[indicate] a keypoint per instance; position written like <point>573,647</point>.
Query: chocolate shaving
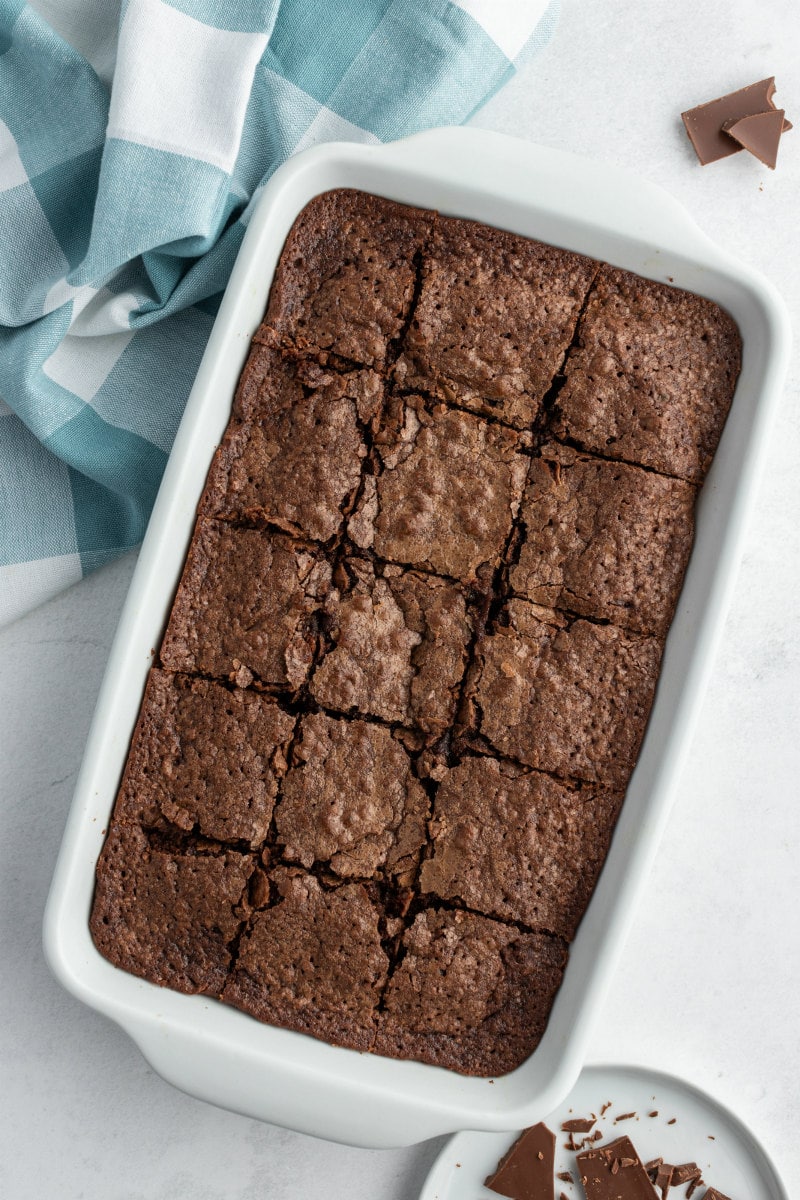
<point>624,1117</point>
<point>578,1125</point>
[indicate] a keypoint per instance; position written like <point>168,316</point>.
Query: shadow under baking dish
<point>217,1053</point>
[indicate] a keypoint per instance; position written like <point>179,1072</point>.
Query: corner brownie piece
<point>518,845</point>
<point>295,457</point>
<point>346,277</point>
<point>448,492</point>
<point>204,759</point>
<point>604,540</point>
<point>652,377</point>
<point>493,321</point>
<point>351,802</point>
<point>246,607</point>
<point>169,914</point>
<point>398,646</point>
<point>469,994</point>
<point>571,698</point>
<point>313,961</point>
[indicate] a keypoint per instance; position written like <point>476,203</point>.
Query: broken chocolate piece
<point>704,124</point>
<point>565,1176</point>
<point>760,134</point>
<point>614,1172</point>
<point>713,1194</point>
<point>526,1171</point>
<point>624,1117</point>
<point>684,1172</point>
<point>663,1179</point>
<point>578,1125</point>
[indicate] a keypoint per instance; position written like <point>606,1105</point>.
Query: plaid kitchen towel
<point>133,144</point>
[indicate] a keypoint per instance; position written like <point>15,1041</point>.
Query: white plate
<point>218,1053</point>
<point>730,1157</point>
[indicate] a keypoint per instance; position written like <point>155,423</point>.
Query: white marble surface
<point>710,982</point>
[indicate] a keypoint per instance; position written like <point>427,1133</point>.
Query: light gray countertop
<point>709,984</point>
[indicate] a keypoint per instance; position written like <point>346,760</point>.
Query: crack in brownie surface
<point>652,377</point>
<point>246,607</point>
<point>350,799</point>
<point>604,539</point>
<point>346,278</point>
<point>495,315</point>
<point>295,457</point>
<point>516,844</point>
<point>205,758</point>
<point>570,698</point>
<point>448,492</point>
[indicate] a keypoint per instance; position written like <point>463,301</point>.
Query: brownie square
<point>295,458</point>
<point>170,915</point>
<point>449,489</point>
<point>313,961</point>
<point>518,845</point>
<point>346,277</point>
<point>604,540</point>
<point>469,994</point>
<point>652,377</point>
<point>565,696</point>
<point>494,318</point>
<point>398,646</point>
<point>351,802</point>
<point>246,607</point>
<point>205,759</point>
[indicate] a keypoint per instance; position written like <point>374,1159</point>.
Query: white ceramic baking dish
<point>218,1053</point>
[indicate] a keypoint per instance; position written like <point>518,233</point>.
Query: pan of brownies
<point>409,663</point>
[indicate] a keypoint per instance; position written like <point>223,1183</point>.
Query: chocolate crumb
<point>605,1108</point>
<point>684,1172</point>
<point>578,1125</point>
<point>563,1196</point>
<point>565,1176</point>
<point>654,1113</point>
<point>672,1122</point>
<point>711,1137</point>
<point>615,1166</point>
<point>624,1117</point>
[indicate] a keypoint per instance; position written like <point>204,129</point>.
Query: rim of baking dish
<point>218,1053</point>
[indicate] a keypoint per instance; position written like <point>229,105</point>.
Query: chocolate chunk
<point>704,124</point>
<point>760,134</point>
<point>614,1172</point>
<point>684,1172</point>
<point>526,1171</point>
<point>663,1179</point>
<point>713,1194</point>
<point>578,1125</point>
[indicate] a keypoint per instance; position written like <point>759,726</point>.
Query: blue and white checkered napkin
<point>131,151</point>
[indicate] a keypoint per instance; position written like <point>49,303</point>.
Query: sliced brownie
<point>652,377</point>
<point>494,319</point>
<point>469,993</point>
<point>313,961</point>
<point>345,281</point>
<point>351,802</point>
<point>572,698</point>
<point>295,458</point>
<point>398,646</point>
<point>169,914</point>
<point>246,607</point>
<point>205,759</point>
<point>448,492</point>
<point>516,844</point>
<point>604,540</point>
